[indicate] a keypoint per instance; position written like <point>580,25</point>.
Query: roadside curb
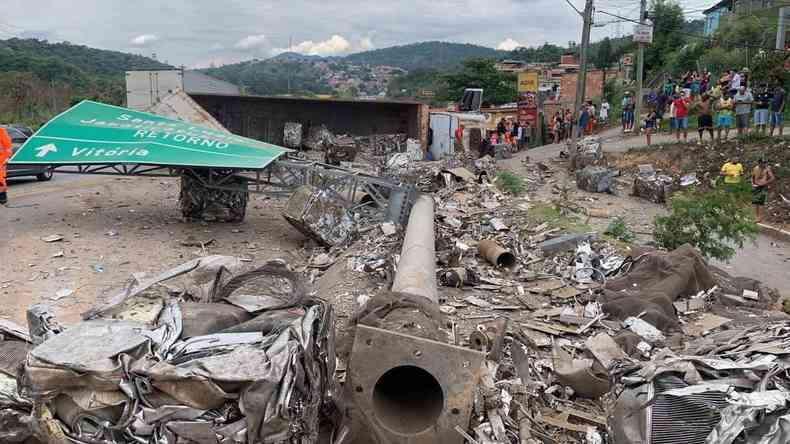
<point>774,232</point>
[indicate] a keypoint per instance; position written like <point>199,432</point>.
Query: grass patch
<point>510,183</point>
<point>549,213</point>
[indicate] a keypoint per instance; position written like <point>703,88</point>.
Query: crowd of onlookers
<point>720,105</point>
<point>561,124</point>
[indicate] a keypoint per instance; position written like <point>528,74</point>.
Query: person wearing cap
<point>762,178</point>
<point>5,154</point>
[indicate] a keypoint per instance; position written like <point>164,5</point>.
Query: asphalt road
<point>23,190</point>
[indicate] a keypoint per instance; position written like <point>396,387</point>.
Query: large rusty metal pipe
<point>416,273</point>
<point>495,254</point>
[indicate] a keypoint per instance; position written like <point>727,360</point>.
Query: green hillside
<point>265,77</point>
<point>75,65</point>
<point>39,79</point>
<point>425,55</point>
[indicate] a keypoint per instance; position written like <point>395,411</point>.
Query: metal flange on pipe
<point>406,388</point>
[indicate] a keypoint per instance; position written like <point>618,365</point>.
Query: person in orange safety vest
<point>5,154</point>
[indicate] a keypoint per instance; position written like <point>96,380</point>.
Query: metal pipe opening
<point>408,400</point>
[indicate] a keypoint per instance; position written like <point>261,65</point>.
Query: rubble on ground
<point>214,350</point>
<point>584,340</point>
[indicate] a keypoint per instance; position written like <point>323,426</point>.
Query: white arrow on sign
<point>46,149</point>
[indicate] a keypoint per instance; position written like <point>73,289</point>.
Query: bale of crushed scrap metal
<point>292,135</point>
<point>655,188</point>
<point>382,144</point>
<point>16,425</point>
<point>114,380</point>
<point>320,215</point>
<point>588,152</point>
<point>318,138</point>
<point>342,149</point>
<point>199,202</point>
<point>596,179</point>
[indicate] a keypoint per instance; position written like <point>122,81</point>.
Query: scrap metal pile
<point>213,351</point>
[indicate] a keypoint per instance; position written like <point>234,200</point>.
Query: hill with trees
<point>425,55</point>
<point>279,75</point>
<point>39,79</point>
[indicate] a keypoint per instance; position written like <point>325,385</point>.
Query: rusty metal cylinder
<point>416,273</point>
<point>495,254</point>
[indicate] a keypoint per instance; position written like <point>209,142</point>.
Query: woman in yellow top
<point>724,121</point>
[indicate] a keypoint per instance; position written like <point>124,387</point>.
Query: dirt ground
<point>111,228</point>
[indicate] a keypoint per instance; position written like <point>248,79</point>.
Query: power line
<point>703,37</point>
<point>574,7</point>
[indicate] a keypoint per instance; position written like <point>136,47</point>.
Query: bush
<point>510,183</point>
<point>713,221</point>
<point>619,230</point>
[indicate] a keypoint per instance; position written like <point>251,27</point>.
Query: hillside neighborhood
<point>544,222</point>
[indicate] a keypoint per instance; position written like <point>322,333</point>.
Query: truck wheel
<point>45,176</point>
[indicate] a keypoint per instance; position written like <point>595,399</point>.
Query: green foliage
<point>718,59</point>
<point>497,87</point>
<point>270,77</point>
<point>510,183</point>
<point>769,67</point>
<point>413,83</point>
<point>40,79</point>
<point>547,53</point>
<point>425,55</point>
<point>686,58</point>
<point>668,23</point>
<point>713,221</point>
<point>619,230</point>
<point>604,57</point>
<point>75,65</point>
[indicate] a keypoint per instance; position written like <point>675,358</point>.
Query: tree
<point>668,25</point>
<point>712,221</point>
<point>605,57</point>
<point>498,87</point>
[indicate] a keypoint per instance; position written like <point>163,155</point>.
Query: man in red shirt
<point>682,115</point>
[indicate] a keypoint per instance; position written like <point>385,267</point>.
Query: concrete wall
<point>264,118</point>
<point>593,90</point>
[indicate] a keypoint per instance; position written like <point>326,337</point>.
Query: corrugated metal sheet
<point>688,419</point>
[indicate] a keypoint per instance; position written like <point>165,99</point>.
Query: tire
<point>45,176</point>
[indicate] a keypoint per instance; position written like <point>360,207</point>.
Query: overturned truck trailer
<point>218,169</point>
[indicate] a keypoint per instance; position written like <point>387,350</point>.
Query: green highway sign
<point>95,133</point>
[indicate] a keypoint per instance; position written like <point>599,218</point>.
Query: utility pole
<point>581,80</point>
<point>780,31</point>
<point>290,68</point>
<point>640,69</point>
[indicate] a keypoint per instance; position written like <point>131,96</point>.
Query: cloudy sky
<point>197,33</point>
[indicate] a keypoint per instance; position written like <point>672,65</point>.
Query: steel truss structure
<point>279,179</point>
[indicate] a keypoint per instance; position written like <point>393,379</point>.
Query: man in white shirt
<point>604,111</point>
<point>735,83</point>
